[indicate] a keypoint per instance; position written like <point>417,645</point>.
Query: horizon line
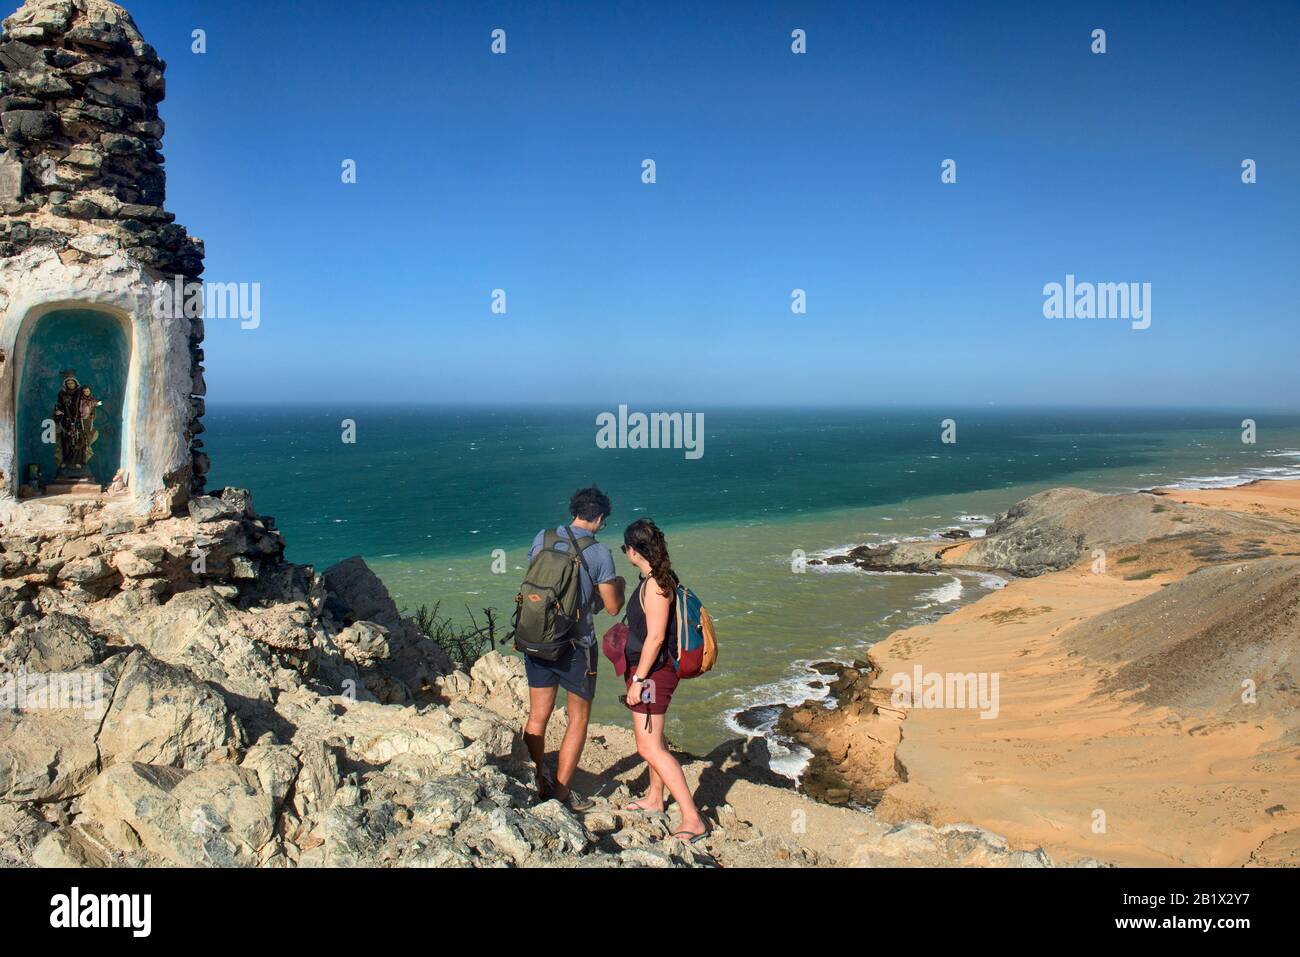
<point>1243,410</point>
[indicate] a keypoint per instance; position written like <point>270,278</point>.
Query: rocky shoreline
<point>829,776</point>
<point>1025,541</point>
<point>1113,597</point>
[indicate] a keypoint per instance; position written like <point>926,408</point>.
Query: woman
<point>651,678</point>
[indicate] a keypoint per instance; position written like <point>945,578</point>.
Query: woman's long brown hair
<point>645,537</point>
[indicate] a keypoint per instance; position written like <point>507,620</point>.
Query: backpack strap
<point>568,529</point>
<point>591,650</point>
<point>663,649</point>
<point>551,538</point>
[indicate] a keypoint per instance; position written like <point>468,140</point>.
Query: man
<point>575,670</point>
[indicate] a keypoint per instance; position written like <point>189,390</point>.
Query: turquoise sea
<point>427,495</point>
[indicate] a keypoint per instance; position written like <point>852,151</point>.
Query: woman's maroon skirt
<point>663,683</point>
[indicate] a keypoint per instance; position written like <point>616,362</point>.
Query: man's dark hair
<point>589,504</point>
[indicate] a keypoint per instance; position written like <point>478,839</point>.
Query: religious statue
<point>74,422</point>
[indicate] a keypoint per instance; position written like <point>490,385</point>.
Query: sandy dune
<point>1126,728</point>
<point>1271,499</point>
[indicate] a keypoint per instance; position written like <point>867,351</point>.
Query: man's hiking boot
<point>572,800</point>
<point>576,802</point>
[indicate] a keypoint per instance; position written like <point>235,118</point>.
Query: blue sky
<point>775,172</point>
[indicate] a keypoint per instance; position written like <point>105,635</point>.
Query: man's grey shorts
<point>574,671</point>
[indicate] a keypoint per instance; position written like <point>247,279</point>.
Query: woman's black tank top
<point>637,629</point>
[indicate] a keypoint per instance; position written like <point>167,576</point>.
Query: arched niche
<point>94,342</point>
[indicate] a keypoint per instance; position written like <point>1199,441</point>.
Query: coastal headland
<point>1144,659</point>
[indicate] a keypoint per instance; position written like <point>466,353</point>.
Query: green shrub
<point>465,644</point>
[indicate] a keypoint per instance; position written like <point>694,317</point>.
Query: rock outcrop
<point>852,745</point>
<point>1050,531</point>
<point>234,709</point>
<point>174,693</point>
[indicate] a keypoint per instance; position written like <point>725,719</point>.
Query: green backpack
<point>548,606</point>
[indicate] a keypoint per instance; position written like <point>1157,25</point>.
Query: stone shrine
<point>87,253</point>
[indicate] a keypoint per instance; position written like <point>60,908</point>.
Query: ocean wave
<point>758,710</point>
<point>761,707</point>
<point>873,571</point>
<point>945,594</point>
<point>787,758</point>
<point>843,568</point>
<point>1276,473</point>
<point>989,581</point>
<point>1236,481</point>
<point>825,553</point>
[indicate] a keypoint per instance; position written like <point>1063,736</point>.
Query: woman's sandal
<point>635,807</point>
<point>690,837</point>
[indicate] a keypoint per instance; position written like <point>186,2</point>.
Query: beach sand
<point>1279,500</point>
<point>1121,732</point>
